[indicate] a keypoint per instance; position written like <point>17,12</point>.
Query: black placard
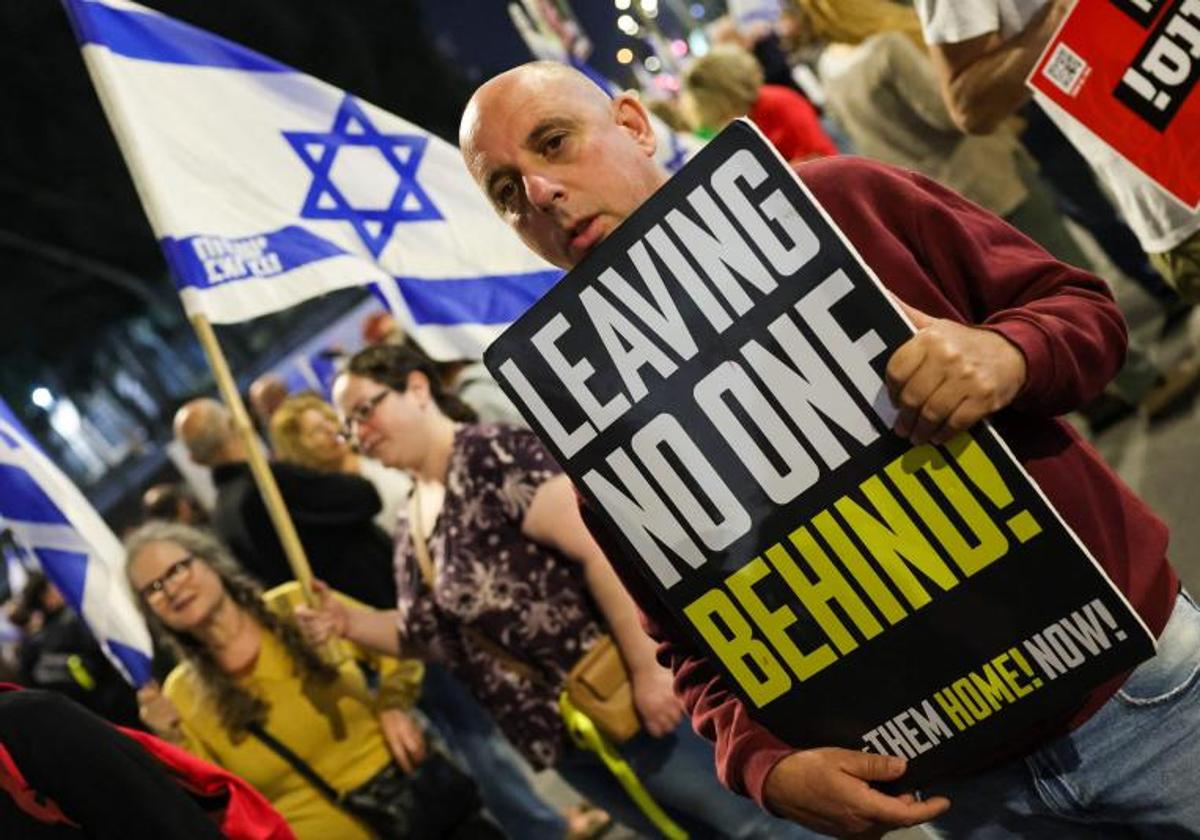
<point>854,589</point>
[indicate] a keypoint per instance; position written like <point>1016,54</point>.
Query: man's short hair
<point>161,501</point>
<point>206,432</point>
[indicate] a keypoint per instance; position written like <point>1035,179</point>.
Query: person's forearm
<point>982,90</point>
<point>375,630</point>
<point>636,647</point>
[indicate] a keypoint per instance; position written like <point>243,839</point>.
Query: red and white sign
<point>1127,69</point>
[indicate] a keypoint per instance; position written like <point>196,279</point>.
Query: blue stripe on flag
<point>207,261</point>
<point>135,662</point>
<point>152,37</point>
<point>67,570</point>
<point>22,499</point>
<point>495,299</point>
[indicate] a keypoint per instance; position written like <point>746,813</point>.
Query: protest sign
<point>1127,70</point>
<point>711,377</point>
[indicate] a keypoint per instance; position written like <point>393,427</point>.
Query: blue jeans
<point>679,772</point>
<point>470,733</point>
<point>1132,770</point>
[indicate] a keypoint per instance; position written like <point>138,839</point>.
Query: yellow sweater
<point>333,727</point>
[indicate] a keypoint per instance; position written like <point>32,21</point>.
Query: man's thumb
<point>918,318</point>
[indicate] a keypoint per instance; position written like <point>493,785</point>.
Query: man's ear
<point>632,117</point>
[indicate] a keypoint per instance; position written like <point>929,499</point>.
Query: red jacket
<point>951,259</point>
<point>237,810</point>
<point>247,815</point>
<point>791,123</point>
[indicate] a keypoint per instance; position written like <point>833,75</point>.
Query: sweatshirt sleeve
<point>744,751</point>
<point>952,259</point>
<point>1062,318</point>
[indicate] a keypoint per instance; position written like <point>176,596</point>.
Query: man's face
<point>562,165</point>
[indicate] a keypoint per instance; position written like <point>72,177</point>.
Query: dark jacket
<point>332,513</point>
<point>63,656</point>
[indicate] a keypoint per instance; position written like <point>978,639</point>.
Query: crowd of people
<point>459,584</point>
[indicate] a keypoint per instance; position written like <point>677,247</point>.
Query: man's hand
<point>327,620</point>
<point>655,700</point>
<point>404,738</point>
<point>948,377</point>
<point>828,790</point>
<point>158,712</point>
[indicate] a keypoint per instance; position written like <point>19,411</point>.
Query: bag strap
<point>297,763</point>
<point>586,736</point>
<point>416,523</point>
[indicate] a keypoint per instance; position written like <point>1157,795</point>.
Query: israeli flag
<point>51,520</point>
<point>266,187</point>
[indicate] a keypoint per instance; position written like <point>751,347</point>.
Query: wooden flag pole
<point>263,477</point>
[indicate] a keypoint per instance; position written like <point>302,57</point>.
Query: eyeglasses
<point>180,571</point>
<point>362,412</point>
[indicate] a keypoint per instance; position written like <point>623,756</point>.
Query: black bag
<point>436,801</point>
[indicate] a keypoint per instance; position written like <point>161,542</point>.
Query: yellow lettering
<point>992,544</point>
<point>828,585</point>
<point>992,687</point>
<point>739,648</point>
<point>1014,679</point>
<point>858,567</point>
<point>954,710</point>
<point>774,623</point>
<point>970,698</point>
<point>896,542</point>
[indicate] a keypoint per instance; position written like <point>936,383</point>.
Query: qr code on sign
<point>1067,69</point>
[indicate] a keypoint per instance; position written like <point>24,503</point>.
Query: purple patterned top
<point>529,599</point>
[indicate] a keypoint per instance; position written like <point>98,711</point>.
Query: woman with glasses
<point>247,680</point>
<point>305,430</point>
<point>513,577</point>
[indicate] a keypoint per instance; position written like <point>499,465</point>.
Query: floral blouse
<point>526,598</point>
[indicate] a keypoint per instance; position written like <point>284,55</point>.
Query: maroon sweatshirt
<point>951,259</point>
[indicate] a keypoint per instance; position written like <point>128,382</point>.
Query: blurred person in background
<point>333,512</point>
<point>65,773</point>
<point>266,394</point>
<point>983,51</point>
<point>727,83</point>
<point>247,677</point>
<point>468,379</point>
<point>173,501</point>
<point>515,591</point>
<point>881,87</point>
<point>60,654</point>
<point>305,430</point>
<point>381,328</point>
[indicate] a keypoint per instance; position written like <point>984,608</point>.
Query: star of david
<point>325,200</point>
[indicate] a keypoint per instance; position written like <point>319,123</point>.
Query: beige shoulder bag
<point>597,685</point>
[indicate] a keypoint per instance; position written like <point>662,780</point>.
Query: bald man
<point>333,512</point>
<point>1004,331</point>
<point>266,394</point>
